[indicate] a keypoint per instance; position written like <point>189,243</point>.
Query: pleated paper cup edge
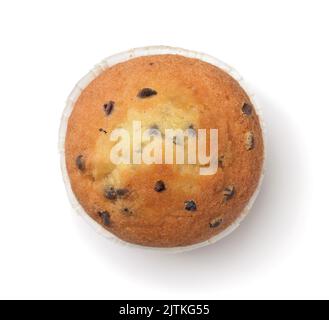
<point>125,56</point>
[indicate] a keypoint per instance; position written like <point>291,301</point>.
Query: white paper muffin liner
<point>124,56</point>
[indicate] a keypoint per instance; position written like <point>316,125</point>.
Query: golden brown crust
<point>189,91</point>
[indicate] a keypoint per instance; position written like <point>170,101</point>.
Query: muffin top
<point>163,204</point>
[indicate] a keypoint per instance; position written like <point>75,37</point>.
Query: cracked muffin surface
<point>163,205</point>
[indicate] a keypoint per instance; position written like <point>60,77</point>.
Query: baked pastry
<point>163,205</point>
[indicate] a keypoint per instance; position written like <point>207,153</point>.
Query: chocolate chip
<point>122,192</point>
<point>247,109</point>
<point>176,141</point>
<point>215,222</point>
<point>250,141</point>
<point>221,162</point>
<point>190,205</point>
<point>154,130</point>
<point>146,93</point>
<point>102,130</point>
<point>80,163</point>
<point>192,130</point>
<point>110,194</point>
<point>229,192</point>
<point>105,216</point>
<point>126,211</point>
<point>108,107</point>
<point>113,194</point>
<point>160,186</point>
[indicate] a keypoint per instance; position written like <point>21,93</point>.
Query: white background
<point>280,251</point>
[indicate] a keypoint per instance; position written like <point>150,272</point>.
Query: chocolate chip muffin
<point>162,204</point>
